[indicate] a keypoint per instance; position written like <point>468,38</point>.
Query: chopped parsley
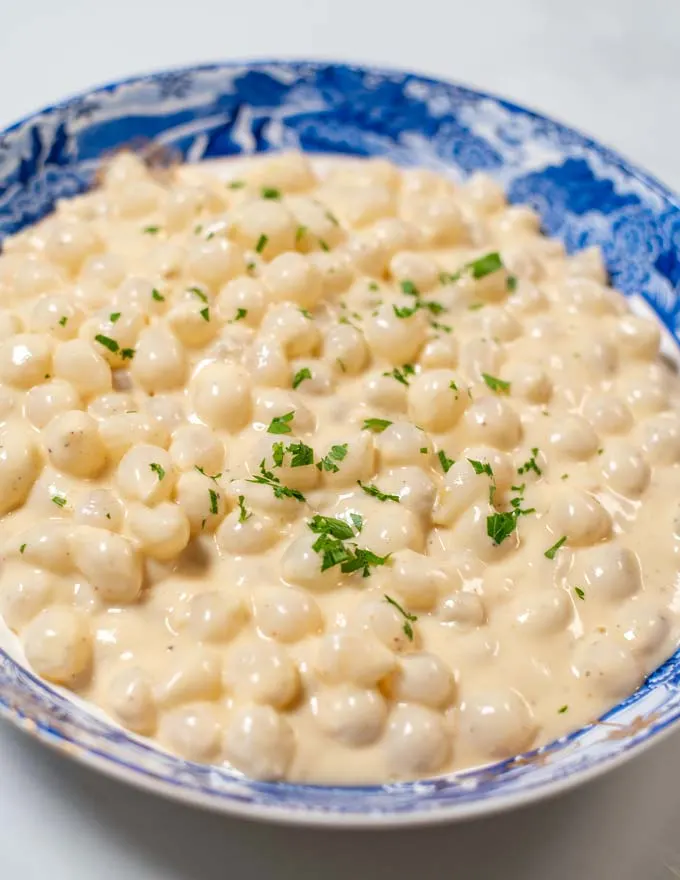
<point>157,469</point>
<point>373,285</point>
<point>376,425</point>
<point>481,467</point>
<point>512,283</point>
<point>579,592</point>
<point>214,497</point>
<point>409,288</point>
<point>236,184</point>
<point>480,267</point>
<point>243,513</point>
<point>408,618</point>
<point>562,710</point>
<point>301,454</point>
<point>300,376</point>
<point>307,314</point>
<point>376,493</point>
<point>335,454</point>
<point>279,424</point>
<point>424,450</point>
<point>107,342</point>
<point>530,464</point>
<point>267,478</point>
<point>475,307</point>
<point>269,192</point>
<point>114,316</point>
<point>213,477</point>
<point>405,312</point>
<point>334,551</point>
<point>499,526</point>
<point>199,293</point>
<point>300,233</point>
<point>62,321</point>
<point>323,245</point>
<point>239,316</point>
<point>446,328</point>
<point>151,230</point>
<point>22,548</point>
<point>495,384</point>
<point>261,243</point>
<point>331,216</point>
<point>59,500</point>
<point>401,374</point>
<point>205,314</point>
<point>155,294</point>
<point>358,521</point>
<point>127,353</point>
<point>446,462</point>
<point>551,551</point>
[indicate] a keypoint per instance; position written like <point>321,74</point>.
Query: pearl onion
<point>254,534</point>
<point>58,644</point>
<point>246,294</point>
<point>529,381</point>
<point>607,572</point>
<point>215,261</point>
<point>264,219</point>
<point>159,363</point>
<point>215,616</point>
<point>109,562</point>
<point>352,658</point>
<point>435,400</point>
<point>74,445</point>
<point>130,698</point>
<point>298,334</point>
<point>259,742</point>
<point>442,351</point>
<point>498,722</point>
<point>56,315</point>
<point>99,508</point>
<point>146,474</point>
<point>221,395</point>
<point>352,716</point>
<point>417,743</point>
<point>639,337</point>
<point>162,531</point>
<point>465,610</point>
<point>262,672</point>
<point>19,468</point>
<point>581,517</point>
<point>574,438</point>
<point>292,277</point>
<point>44,402</point>
<point>85,369</point>
<point>398,340</point>
<point>401,444</point>
<point>542,612</point>
<point>625,469</point>
<point>384,621</point>
<point>193,731</point>
<point>24,593</point>
<point>418,579</point>
<point>493,421</point>
<point>609,667</point>
<point>345,346</point>
<point>608,414</point>
<point>662,439</point>
<point>285,614</point>
<point>26,360</point>
<point>643,625</point>
<point>421,678</point>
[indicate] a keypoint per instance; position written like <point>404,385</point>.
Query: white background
<point>610,67</point>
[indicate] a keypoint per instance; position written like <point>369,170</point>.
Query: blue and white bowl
<point>585,193</point>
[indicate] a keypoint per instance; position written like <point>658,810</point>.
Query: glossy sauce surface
<point>337,477</point>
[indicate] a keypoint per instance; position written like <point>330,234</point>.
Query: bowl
<point>585,194</point>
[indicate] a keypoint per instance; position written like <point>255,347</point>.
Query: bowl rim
<point>222,802</point>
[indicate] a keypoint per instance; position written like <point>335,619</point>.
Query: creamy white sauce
<point>446,357</point>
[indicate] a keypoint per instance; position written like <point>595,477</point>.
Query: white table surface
<point>610,67</point>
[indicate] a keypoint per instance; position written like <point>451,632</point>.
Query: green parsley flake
<point>373,286</point>
<point>446,462</point>
<point>155,294</point>
<point>499,526</point>
<point>331,216</point>
<point>301,454</point>
<point>205,314</point>
<point>530,464</point>
<point>358,521</point>
<point>335,454</point>
<point>243,514</point>
<point>338,528</point>
<point>59,500</point>
<point>300,376</point>
<point>551,551</point>
<point>213,477</point>
<point>512,283</point>
<point>157,469</point>
<point>62,321</point>
<point>107,342</point>
<point>236,184</point>
<point>496,385</point>
<point>267,478</point>
<point>409,288</point>
<point>401,374</point>
<point>151,230</point>
<point>261,243</point>
<point>475,307</point>
<point>405,312</point>
<point>300,233</point>
<point>580,593</point>
<point>476,268</point>
<point>279,424</point>
<point>408,618</point>
<point>114,316</point>
<point>376,425</point>
<point>376,493</point>
<point>239,316</point>
<point>214,497</point>
<point>446,328</point>
<point>562,710</point>
<point>269,192</point>
<point>199,293</point>
<point>481,467</point>
<point>22,548</point>
<point>323,245</point>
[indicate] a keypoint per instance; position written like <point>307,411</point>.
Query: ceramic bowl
<point>585,194</point>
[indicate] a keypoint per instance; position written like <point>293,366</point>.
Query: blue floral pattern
<point>585,194</point>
